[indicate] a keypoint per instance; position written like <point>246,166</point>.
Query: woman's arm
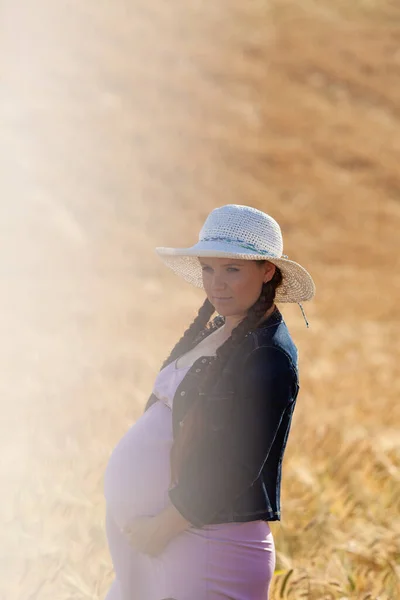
<point>225,464</point>
<point>171,522</point>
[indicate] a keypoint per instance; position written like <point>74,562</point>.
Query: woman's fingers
<point>154,548</point>
<point>140,533</point>
<point>145,537</point>
<point>136,524</point>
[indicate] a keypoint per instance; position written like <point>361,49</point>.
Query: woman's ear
<point>269,271</point>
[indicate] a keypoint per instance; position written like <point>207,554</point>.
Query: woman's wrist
<point>171,522</point>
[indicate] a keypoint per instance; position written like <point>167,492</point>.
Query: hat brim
<point>297,284</point>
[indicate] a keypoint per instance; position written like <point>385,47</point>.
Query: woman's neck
<point>233,321</point>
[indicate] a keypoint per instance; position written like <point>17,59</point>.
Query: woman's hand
<point>151,535</point>
<point>146,535</point>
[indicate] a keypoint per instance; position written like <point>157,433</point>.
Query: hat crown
<point>243,226</point>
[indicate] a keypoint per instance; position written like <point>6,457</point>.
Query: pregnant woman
<point>192,485</point>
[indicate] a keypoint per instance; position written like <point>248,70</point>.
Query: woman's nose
<point>218,282</point>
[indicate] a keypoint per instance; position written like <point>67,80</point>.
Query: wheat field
<point>121,128</point>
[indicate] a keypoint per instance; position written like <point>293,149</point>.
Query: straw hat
<point>242,232</point>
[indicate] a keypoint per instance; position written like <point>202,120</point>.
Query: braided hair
<point>192,333</point>
<point>194,419</point>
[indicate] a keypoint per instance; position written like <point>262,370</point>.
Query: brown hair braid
<point>194,419</point>
<point>191,334</point>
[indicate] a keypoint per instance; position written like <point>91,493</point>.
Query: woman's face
<point>233,285</point>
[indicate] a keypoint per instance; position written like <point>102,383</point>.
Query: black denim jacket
<point>234,473</point>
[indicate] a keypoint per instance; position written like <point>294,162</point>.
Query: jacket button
<point>198,370</point>
<point>204,360</point>
<point>181,423</point>
<point>183,393</point>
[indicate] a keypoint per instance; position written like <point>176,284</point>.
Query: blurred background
<point>121,126</point>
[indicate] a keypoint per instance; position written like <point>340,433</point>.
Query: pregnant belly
<point>137,476</point>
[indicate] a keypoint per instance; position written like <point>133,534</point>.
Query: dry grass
<point>121,129</point>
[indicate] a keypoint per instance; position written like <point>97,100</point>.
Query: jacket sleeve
<point>226,463</point>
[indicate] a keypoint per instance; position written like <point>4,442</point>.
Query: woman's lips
<point>217,298</point>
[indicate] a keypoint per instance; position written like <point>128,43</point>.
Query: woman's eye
<point>206,268</point>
